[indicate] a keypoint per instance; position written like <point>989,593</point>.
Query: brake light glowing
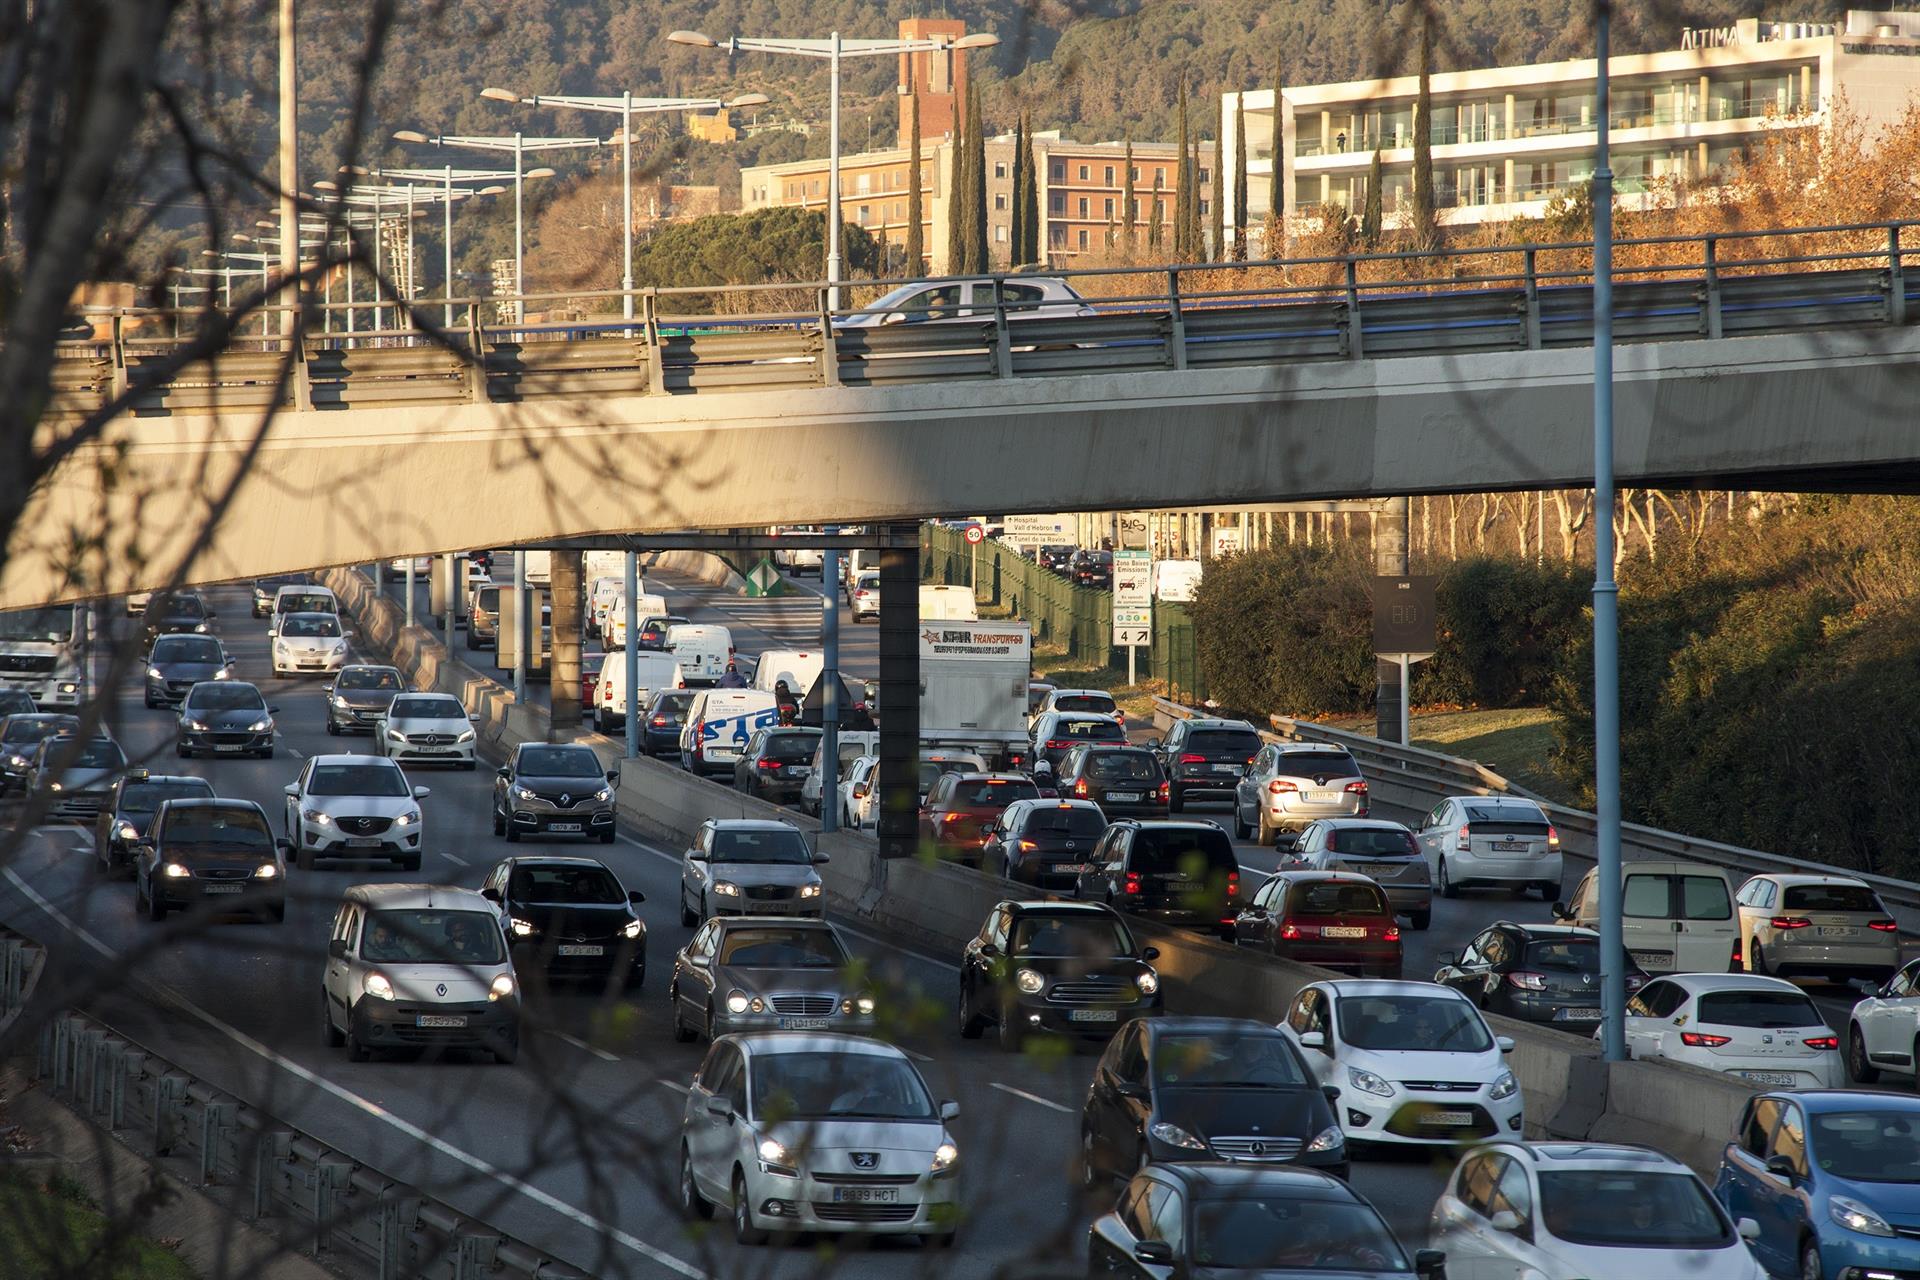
<point>1193,757</point>
<point>1080,788</point>
<point>1165,790</point>
<point>1822,1042</point>
<point>1790,922</point>
<point>1392,934</point>
<point>1553,838</point>
<point>1883,926</point>
<point>658,721</point>
<point>1133,882</point>
<point>1357,788</point>
<point>1289,932</point>
<point>770,765</point>
<point>1463,842</point>
<point>1280,786</point>
<point>1703,1040</point>
<point>1233,883</point>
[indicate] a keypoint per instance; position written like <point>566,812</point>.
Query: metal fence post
<point>1712,316</point>
<point>473,1254</point>
<point>117,1060</point>
<point>1177,322</point>
<point>1896,278</point>
<point>214,1123</point>
<point>399,1208</point>
<point>1356,344</point>
<point>650,316</point>
<point>1533,302</point>
<point>1002,340</point>
<point>275,1149</point>
<point>169,1099</point>
<point>476,357</point>
<point>119,357</point>
<point>329,1176</point>
<point>829,345</point>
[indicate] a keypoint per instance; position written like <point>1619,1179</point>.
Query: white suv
<point>344,806</point>
<point>1290,784</point>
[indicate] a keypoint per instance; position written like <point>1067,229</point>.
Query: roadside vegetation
<point>50,1228</point>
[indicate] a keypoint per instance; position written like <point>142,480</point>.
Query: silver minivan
<point>1677,917</point>
<point>412,966</point>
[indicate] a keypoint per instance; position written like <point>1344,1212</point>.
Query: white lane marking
<point>83,837</point>
<point>408,1128</point>
<point>1048,1103</point>
<point>677,1088</point>
<point>917,1057</point>
<point>456,859</point>
<point>298,754</point>
<point>578,1043</point>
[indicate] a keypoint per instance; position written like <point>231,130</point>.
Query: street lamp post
<point>447,176</point>
<point>624,106</point>
<point>833,49</point>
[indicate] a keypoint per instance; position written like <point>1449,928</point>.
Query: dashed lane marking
<point>582,1045</point>
<point>1048,1103</point>
<point>456,859</point>
<point>542,1198</point>
<point>676,1087</point>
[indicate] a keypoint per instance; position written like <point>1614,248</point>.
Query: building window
<point>1000,230</point>
<point>1000,197</point>
<point>1057,203</point>
<point>863,185</point>
<point>1059,172</point>
<point>865,213</point>
<point>1134,173</point>
<point>1110,200</point>
<point>1109,181</point>
<point>1000,166</point>
<point>1083,241</point>
<point>1083,173</point>
<point>1056,237</point>
<point>1206,206</point>
<point>1207,177</point>
<point>1083,206</point>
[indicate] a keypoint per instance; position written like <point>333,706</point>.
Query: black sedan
<point>1223,1220</point>
<point>225,717</point>
<point>570,918</point>
<point>1182,1089</point>
<point>184,612</point>
<point>1534,972</point>
<point>20,737</point>
<point>129,811</point>
<point>1066,967</point>
<point>1204,759</point>
<point>179,662</point>
<point>360,695</point>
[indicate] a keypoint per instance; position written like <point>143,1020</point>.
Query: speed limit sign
<point>976,534</point>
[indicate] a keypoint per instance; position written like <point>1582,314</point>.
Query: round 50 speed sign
<point>976,534</point>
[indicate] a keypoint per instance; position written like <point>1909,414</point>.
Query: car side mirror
<point>720,1107</point>
<point>292,790</point>
<point>1149,953</point>
<point>273,711</point>
<point>1332,1091</point>
<point>283,844</point>
<point>949,1109</point>
<point>1505,1043</point>
<point>694,855</point>
<point>1748,1229</point>
<point>1156,1252</point>
<point>1865,986</point>
<point>421,793</point>
<point>337,948</point>
<point>1560,911</point>
<point>490,894</point>
<point>1430,1264</point>
<point>1782,1166</point>
<point>819,859</point>
<point>613,776</point>
<point>1506,1220</point>
<point>1313,1040</point>
<point>698,962</point>
<point>636,897</point>
<point>503,772</point>
<point>1130,1089</point>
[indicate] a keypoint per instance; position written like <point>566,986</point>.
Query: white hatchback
<point>1585,1211</point>
<point>1415,1063</point>
<point>1762,1030</point>
<point>309,644</point>
<point>1503,842</point>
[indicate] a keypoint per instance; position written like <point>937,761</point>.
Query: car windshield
<point>1091,937</point>
<point>867,582</point>
<point>145,797</point>
<point>182,607</point>
<point>1078,821</point>
<point>26,731</point>
<point>1372,842</point>
<point>673,706</point>
<point>826,1085</point>
<point>1314,764</point>
<point>15,702</point>
<point>219,830</point>
<point>773,844</point>
<point>1758,1009</point>
<point>1412,1023</point>
<point>310,624</point>
<point>782,949</point>
<point>99,753</point>
<point>1868,1146</point>
<point>370,678</point>
<point>1565,955</point>
<point>1327,898</point>
<point>226,697</point>
<point>305,602</point>
<point>1099,702</point>
<point>1189,851</point>
<point>792,747</point>
<point>992,793</point>
<point>1088,730</point>
<point>1831,897</point>
<point>1244,743</point>
<point>1123,766</point>
<point>564,883</point>
<point>1270,1234</point>
<point>1632,1209</point>
<point>186,649</point>
<point>1228,1059</point>
<point>432,937</point>
<point>560,762</point>
<point>357,780</point>
<point>441,708</point>
<point>40,625</point>
<point>486,599</point>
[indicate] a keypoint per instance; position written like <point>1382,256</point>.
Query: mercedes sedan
<point>766,973</point>
<point>427,728</point>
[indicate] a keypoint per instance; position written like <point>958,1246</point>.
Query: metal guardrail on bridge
<point>1447,302</point>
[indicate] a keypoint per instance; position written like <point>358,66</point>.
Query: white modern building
<point>1507,140</point>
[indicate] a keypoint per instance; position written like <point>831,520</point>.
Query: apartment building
<point>1508,140</point>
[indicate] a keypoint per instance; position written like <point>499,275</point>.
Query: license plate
<point>1123,797</point>
<point>799,770</point>
<point>435,751</point>
<point>1834,931</point>
<point>1577,1015</point>
<point>1510,846</point>
<point>563,826</point>
<point>1181,886</point>
<point>1342,931</point>
<point>1226,768</point>
<point>723,753</point>
<point>1378,869</point>
<point>866,1195</point>
<point>582,950</point>
<point>228,746</point>
<point>803,1024</point>
<point>222,888</point>
<point>1652,960</point>
<point>1093,1015</point>
<point>1069,868</point>
<point>1770,1077</point>
<point>1449,1118</point>
<point>364,842</point>
<point>441,1020</point>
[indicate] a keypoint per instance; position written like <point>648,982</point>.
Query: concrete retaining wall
<point>702,565</point>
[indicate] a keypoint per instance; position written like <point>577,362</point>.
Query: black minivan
<point>1118,778</point>
<point>1180,873</point>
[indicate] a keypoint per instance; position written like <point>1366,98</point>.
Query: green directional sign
<point>764,580</point>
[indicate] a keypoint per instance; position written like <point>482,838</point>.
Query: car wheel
<point>513,834</point>
<point>149,701</point>
<point>1757,958</point>
<point>970,1024</point>
<point>681,1031</point>
<point>278,912</point>
<point>409,863</point>
<point>1265,834</point>
<point>1549,892</point>
<point>265,754</point>
<point>744,1232</point>
<point>499,824</point>
<point>1810,1260</point>
<point>692,1203</point>
<point>1447,887</point>
<point>1859,1069</point>
<point>469,765</point>
<point>156,905</point>
<point>1091,1179</point>
<point>1176,803</point>
<point>180,749</point>
<point>1013,1033</point>
<point>356,1051</point>
<point>303,852</point>
<point>333,730</point>
<point>606,837</point>
<point>688,918</point>
<point>1421,919</point>
<point>1240,829</point>
<point>329,1034</point>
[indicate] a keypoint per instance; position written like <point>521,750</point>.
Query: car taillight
<point>1289,931</point>
<point>1461,843</point>
<point>1822,1042</point>
<point>659,722</point>
<point>1059,744</point>
<point>1080,787</point>
<point>1790,922</point>
<point>1526,981</point>
<point>1736,964</point>
<point>1280,786</point>
<point>1553,838</point>
<point>1703,1040</point>
<point>1392,934</point>
<point>1016,759</point>
<point>770,765</point>
<point>1883,926</point>
<point>1357,788</point>
<point>1133,882</point>
<point>1193,758</point>
<point>1166,790</point>
<point>1233,883</point>
<point>1027,846</point>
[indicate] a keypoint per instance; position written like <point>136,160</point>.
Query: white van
<point>657,671</point>
<point>949,604</point>
<point>856,562</point>
<point>300,598</point>
<point>613,633</point>
<point>853,743</point>
<point>603,564</point>
<point>703,651</point>
<point>1175,580</point>
<point>1676,917</point>
<point>719,724</point>
<point>539,566</point>
<point>798,667</point>
<point>600,598</point>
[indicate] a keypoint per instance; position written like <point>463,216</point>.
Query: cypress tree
<point>1129,203</point>
<point>1153,218</point>
<point>1028,251</point>
<point>1239,179</point>
<point>1217,246</point>
<point>1277,183</point>
<point>1190,206</point>
<point>977,257</point>
<point>956,197</point>
<point>916,239</point>
<point>1182,184</point>
<point>1425,223</point>
<point>1371,214</point>
<point>1017,231</point>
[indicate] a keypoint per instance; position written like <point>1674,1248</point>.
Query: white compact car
<point>1883,1033</point>
<point>1415,1063</point>
<point>346,806</point>
<point>793,1132</point>
<point>1763,1030</point>
<point>1503,842</point>
<point>429,728</point>
<point>309,644</point>
<point>1585,1211</point>
<point>860,794</point>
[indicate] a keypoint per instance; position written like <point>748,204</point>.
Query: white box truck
<point>973,689</point>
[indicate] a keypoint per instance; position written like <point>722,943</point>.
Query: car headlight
<point>224,673</point>
<point>200,627</point>
<point>377,986</point>
<point>809,890</point>
<point>1174,1136</point>
<point>191,726</point>
<point>394,735</point>
<point>604,794</point>
<point>1855,1216</point>
<point>522,793</point>
<point>501,988</point>
<point>317,817</point>
<point>1505,1087</point>
<point>1148,982</point>
<point>1029,982</point>
<point>20,762</point>
<point>266,871</point>
<point>521,928</point>
<point>945,1156</point>
<point>1328,1139</point>
<point>262,725</point>
<point>468,736</point>
<point>726,888</point>
<point>127,831</point>
<point>338,701</point>
<point>737,1002</point>
<point>632,929</point>
<point>54,786</point>
<point>407,819</point>
<point>864,1004</point>
<point>776,1159</point>
<point>1367,1082</point>
<point>154,672</point>
<point>174,871</point>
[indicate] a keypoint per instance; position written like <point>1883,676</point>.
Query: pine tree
<point>1371,214</point>
<point>1239,179</point>
<point>1217,227</point>
<point>977,258</point>
<point>956,198</point>
<point>1425,223</point>
<point>916,239</point>
<point>1277,183</point>
<point>1129,203</point>
<point>1182,184</point>
<point>1028,251</point>
<point>1153,218</point>
<point>1190,205</point>
<point>1017,232</point>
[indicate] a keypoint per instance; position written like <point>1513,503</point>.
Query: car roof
<point>1702,983</point>
<point>1056,907</point>
<point>213,802</point>
<point>1536,929</point>
<point>991,777</point>
<point>752,824</point>
<point>1363,824</point>
<point>1670,868</point>
<point>1193,1025</point>
<point>1294,748</point>
<point>1577,1156</point>
<point>553,860</point>
<point>1825,1100</point>
<point>303,588</point>
<point>1033,804</point>
<point>353,757</point>
<point>215,684</point>
<point>1059,692</point>
<point>1269,1179</point>
<point>1174,824</point>
<point>1390,987</point>
<point>1216,722</point>
<point>373,666</point>
<point>42,717</point>
<point>138,777</point>
<point>1309,876</point>
<point>419,897</point>
<point>1792,881</point>
<point>776,1042</point>
<point>813,923</point>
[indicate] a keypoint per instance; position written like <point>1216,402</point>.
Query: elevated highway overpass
<point>1792,374</point>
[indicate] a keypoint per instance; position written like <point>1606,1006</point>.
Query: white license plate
<point>1342,931</point>
<point>1654,960</point>
<point>435,751</point>
<point>866,1195</point>
<point>441,1020</point>
<point>803,1024</point>
<point>1123,797</point>
<point>1226,768</point>
<point>1510,846</point>
<point>563,826</point>
<point>1577,1015</point>
<point>722,753</point>
<point>364,842</point>
<point>1181,886</point>
<point>799,770</point>
<point>1069,868</point>
<point>1835,931</point>
<point>572,949</point>
<point>1093,1015</point>
<point>1321,797</point>
<point>1770,1077</point>
<point>228,746</point>
<point>222,888</point>
<point>1449,1118</point>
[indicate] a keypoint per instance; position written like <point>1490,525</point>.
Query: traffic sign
<point>1403,614</point>
<point>1132,599</point>
<point>763,579</point>
<point>976,534</point>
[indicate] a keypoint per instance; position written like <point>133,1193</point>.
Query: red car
<point>962,807</point>
<point>590,664</point>
<point>1329,918</point>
